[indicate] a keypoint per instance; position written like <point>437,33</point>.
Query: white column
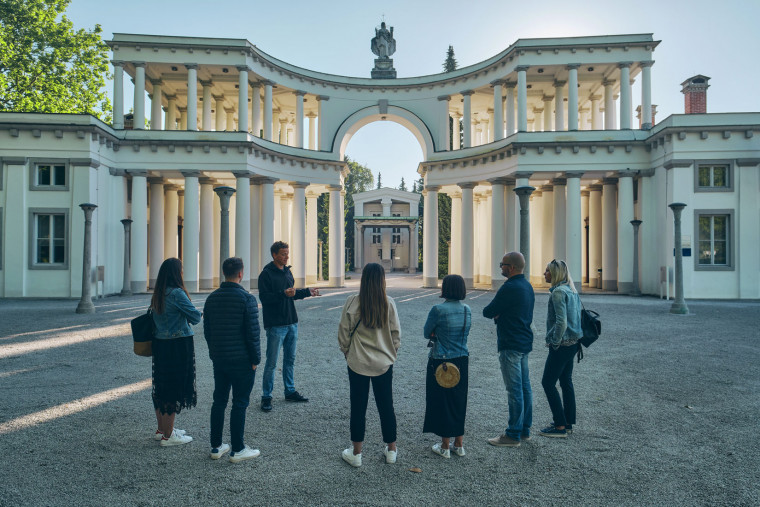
<point>312,132</point>
<point>278,216</point>
<point>342,238</point>
<point>522,98</point>
<point>192,96</point>
<point>155,105</point>
<point>268,112</point>
<point>510,107</point>
<point>596,120</point>
<point>583,121</point>
<point>206,234</point>
<point>548,116</point>
<point>156,243</point>
<point>217,218</point>
<point>560,218</point>
<point>572,96</point>
<point>298,246</point>
<point>207,104</point>
<point>646,95</point>
<point>536,222</point>
<point>323,141</point>
<point>285,208</point>
<point>498,230</point>
<point>584,223</point>
<point>443,140</point>
<point>138,118</point>
<point>547,231</point>
<point>171,113</point>
<point>256,111</point>
<point>625,232</point>
<point>139,239</point>
<point>430,261</point>
<point>243,223</point>
<point>574,228</point>
<point>299,118</point>
<point>559,105</point>
<point>385,232</point>
<point>466,242</point>
<point>118,95</point>
<point>220,114</point>
<point>625,96</point>
<point>191,232</point>
<point>512,214</point>
<point>283,137</point>
<point>467,120</point>
<point>171,213</point>
<point>609,235</point>
<point>254,267</point>
<point>230,117</point>
<point>476,237</point>
<point>609,104</point>
<point>538,123</point>
<point>267,219</point>
<point>334,232</point>
<point>312,234</point>
<point>594,234</point>
<point>498,111</point>
<point>455,258</point>
<point>182,118</point>
<point>243,103</point>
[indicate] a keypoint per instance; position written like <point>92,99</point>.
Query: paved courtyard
<point>668,412</point>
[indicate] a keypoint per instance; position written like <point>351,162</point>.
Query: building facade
<point>553,114</point>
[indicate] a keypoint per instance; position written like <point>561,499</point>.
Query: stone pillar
<point>299,118</point>
<point>139,238</point>
<point>498,230</point>
<point>596,121</point>
<point>171,113</point>
<point>312,131</point>
<point>256,111</point>
<point>625,95</point>
<point>583,122</point>
<point>547,231</point>
<point>455,260</point>
<point>85,302</point>
<point>278,216</point>
<point>283,137</point>
<point>510,107</point>
<point>467,119</point>
<point>155,104</point>
<point>574,228</point>
<point>456,141</point>
<point>323,142</point>
<point>342,238</point>
<point>646,95</point>
<point>285,207</point>
<point>584,235</point>
<point>430,261</point>
<point>609,104</point>
<point>444,135</point>
<point>118,95</point>
<point>536,221</point>
<point>206,234</point>
<point>243,223</point>
<point>312,234</point>
<point>191,232</point>
<point>298,247</point>
<point>522,98</point>
<point>230,117</point>
<point>156,228</point>
<point>635,291</point>
<point>538,120</point>
<point>523,193</point>
<point>679,303</point>
<point>171,213</point>
<point>243,112</point>
<point>624,232</point>
<point>207,104</point>
<point>498,111</point>
<point>572,98</point>
<point>268,112</point>
<point>476,238</point>
<point>217,243</point>
<point>335,229</point>
<point>138,122</point>
<point>595,234</point>
<point>192,96</point>
<point>609,235</point>
<point>560,218</point>
<point>267,219</point>
<point>559,105</point>
<point>254,267</point>
<point>220,114</point>
<point>548,116</point>
<point>224,194</point>
<point>126,289</point>
<point>467,228</point>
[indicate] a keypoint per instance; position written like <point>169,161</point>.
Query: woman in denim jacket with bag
<point>563,330</point>
<point>447,327</point>
<point>173,352</point>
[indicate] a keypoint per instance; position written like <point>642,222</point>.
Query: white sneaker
<point>218,452</point>
<point>158,435</point>
<point>459,451</point>
<point>176,439</point>
<point>246,453</point>
<point>390,456</point>
<point>355,460</point>
<point>440,451</point>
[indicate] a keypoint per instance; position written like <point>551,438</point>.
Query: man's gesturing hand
<point>290,292</point>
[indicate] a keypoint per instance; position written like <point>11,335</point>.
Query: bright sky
<point>717,39</point>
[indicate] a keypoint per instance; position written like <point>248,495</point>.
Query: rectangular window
<point>376,238</point>
<point>49,176</point>
<point>714,239</point>
<point>49,239</point>
<point>713,177</point>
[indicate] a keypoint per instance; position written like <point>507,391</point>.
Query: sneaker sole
<point>218,455</point>
<point>234,459</point>
<point>163,444</point>
<point>554,435</point>
<point>503,445</point>
<point>355,465</point>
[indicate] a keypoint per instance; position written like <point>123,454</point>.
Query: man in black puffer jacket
<point>231,327</point>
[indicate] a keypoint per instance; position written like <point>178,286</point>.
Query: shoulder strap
<point>354,329</point>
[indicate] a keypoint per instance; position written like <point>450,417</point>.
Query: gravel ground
<point>667,414</point>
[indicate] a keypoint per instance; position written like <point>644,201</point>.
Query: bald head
<point>513,263</point>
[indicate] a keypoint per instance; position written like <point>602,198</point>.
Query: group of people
<point>369,336</point>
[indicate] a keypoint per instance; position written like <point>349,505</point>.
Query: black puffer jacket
<point>278,309</point>
<point>231,326</point>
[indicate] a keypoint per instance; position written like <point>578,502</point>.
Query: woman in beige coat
<point>369,336</point>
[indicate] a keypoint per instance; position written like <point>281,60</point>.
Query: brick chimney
<point>695,94</point>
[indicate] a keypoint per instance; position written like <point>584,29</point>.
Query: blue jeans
<point>285,337</point>
<point>240,379</point>
<point>514,370</point>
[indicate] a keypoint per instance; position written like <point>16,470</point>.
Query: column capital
<point>205,83</point>
<point>265,180</point>
<point>136,172</point>
<point>334,188</point>
<point>626,173</point>
<point>595,187</point>
<point>243,174</point>
<point>547,188</point>
<point>207,181</point>
<point>218,97</point>
<point>574,174</point>
<point>557,182</point>
<point>624,65</point>
<point>594,97</point>
<point>300,184</point>
<point>522,68</point>
<point>320,98</point>
<point>467,185</point>
<point>609,82</point>
<point>170,187</point>
<point>609,181</point>
<point>139,64</point>
<point>444,97</point>
<point>523,174</point>
<point>268,82</point>
<point>547,98</point>
<point>156,82</point>
<point>558,83</point>
<point>312,194</point>
<point>311,114</point>
<point>243,68</point>
<point>432,188</point>
<point>499,181</point>
<point>571,66</point>
<point>189,66</point>
<point>155,180</point>
<point>117,63</point>
<point>585,192</point>
<point>171,97</point>
<point>647,63</point>
<point>538,110</point>
<point>510,84</point>
<point>497,82</point>
<point>191,174</point>
<point>299,93</point>
<point>466,93</point>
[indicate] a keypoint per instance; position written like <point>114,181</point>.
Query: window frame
<point>34,166</point>
<point>33,265</point>
<point>730,240</point>
<point>712,163</point>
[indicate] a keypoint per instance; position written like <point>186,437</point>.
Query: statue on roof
<point>383,45</point>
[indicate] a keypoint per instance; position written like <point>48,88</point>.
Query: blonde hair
<point>559,273</point>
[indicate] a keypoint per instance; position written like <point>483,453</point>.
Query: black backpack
<point>591,327</point>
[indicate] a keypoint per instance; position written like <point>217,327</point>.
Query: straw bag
<point>142,334</point>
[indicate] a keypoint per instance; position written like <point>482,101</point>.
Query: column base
<point>191,285</point>
<point>496,283</point>
<point>536,281</point>
<point>610,285</point>
<point>139,287</point>
<point>679,309</point>
<point>151,283</point>
<point>624,287</point>
<point>485,280</point>
<point>431,282</point>
<point>335,281</point>
<point>216,281</point>
<point>468,283</point>
<point>206,283</point>
<point>592,283</point>
<point>125,292</point>
<point>412,271</point>
<point>85,306</point>
<point>310,280</point>
<point>299,283</point>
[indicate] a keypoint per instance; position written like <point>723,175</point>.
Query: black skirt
<point>445,409</point>
<point>174,375</point>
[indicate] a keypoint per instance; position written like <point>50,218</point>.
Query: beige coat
<point>369,352</point>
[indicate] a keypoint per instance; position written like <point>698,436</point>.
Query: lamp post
<point>523,194</point>
<point>679,304</point>
<point>224,194</point>
<point>85,302</point>
<point>635,291</point>
<point>126,289</point>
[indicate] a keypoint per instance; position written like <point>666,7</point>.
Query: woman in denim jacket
<point>563,330</point>
<point>448,325</point>
<point>173,352</point>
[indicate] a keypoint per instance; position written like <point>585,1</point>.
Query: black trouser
<point>240,379</point>
<point>559,366</point>
<point>382,387</point>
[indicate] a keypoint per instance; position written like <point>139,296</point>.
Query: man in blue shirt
<point>512,310</point>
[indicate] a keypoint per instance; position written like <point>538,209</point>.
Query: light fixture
<point>225,70</point>
<point>590,69</point>
<point>174,68</point>
<point>540,71</point>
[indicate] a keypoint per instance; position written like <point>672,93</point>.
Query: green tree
<point>379,180</point>
<point>48,66</point>
<point>450,64</point>
<point>402,186</point>
<point>444,233</point>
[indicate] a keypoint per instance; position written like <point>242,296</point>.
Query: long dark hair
<point>169,275</point>
<point>373,305</point>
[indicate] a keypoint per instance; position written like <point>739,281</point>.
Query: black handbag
<point>591,328</point>
<point>143,334</point>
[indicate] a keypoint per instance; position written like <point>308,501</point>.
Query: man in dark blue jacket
<point>231,328</point>
<point>512,309</point>
<point>280,322</point>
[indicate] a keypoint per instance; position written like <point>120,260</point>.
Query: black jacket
<point>514,305</point>
<point>278,309</point>
<point>231,326</point>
